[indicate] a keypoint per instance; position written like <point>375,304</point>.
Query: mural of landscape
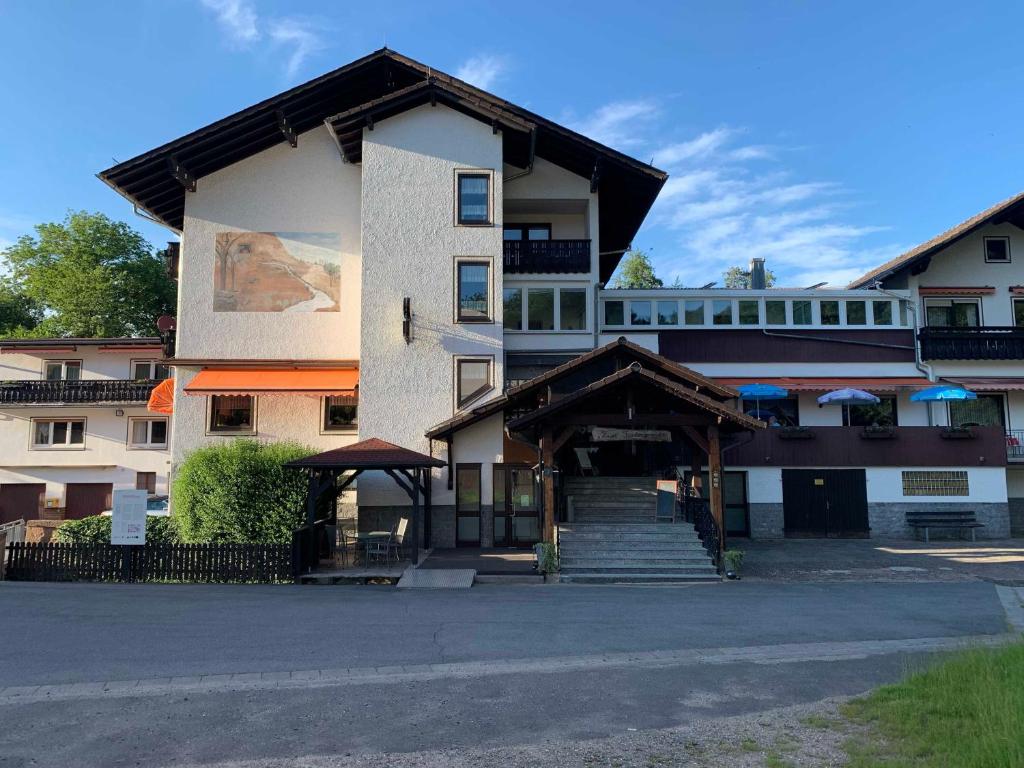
<point>277,272</point>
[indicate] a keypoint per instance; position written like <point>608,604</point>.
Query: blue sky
<point>825,137</point>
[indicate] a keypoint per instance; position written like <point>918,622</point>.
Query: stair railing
<point>697,511</point>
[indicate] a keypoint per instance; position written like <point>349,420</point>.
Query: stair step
<point>646,578</point>
<point>622,553</point>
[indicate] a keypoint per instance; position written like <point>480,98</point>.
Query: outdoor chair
<point>583,458</point>
<point>397,540</point>
<point>379,550</point>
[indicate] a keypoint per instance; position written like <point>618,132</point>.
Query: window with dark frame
<point>540,309</point>
<point>614,313</point>
<point>572,309</point>
<point>473,283</point>
<point>513,309</point>
<point>467,504</point>
<point>472,379</point>
<point>527,232</point>
<point>232,413</point>
<point>997,250</point>
<point>341,413</point>
<point>775,313</point>
<point>474,193</point>
<point>1018,313</point>
<point>829,312</point>
<point>749,312</point>
<point>145,481</point>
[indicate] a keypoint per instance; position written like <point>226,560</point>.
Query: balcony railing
<point>82,392</point>
<point>1015,444</point>
<point>982,343</point>
<point>555,256</point>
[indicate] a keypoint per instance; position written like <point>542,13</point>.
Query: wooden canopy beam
<point>181,174</point>
<point>715,489</point>
<point>698,439</point>
<point>286,128</point>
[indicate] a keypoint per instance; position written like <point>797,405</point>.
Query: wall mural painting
<point>277,272</point>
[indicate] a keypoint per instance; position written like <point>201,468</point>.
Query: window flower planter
<point>957,433</point>
<point>795,433</point>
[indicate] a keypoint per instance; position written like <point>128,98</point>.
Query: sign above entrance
<point>609,434</point>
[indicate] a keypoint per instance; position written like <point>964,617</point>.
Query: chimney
<point>757,279</point>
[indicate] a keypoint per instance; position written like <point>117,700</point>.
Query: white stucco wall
<point>306,189</point>
<point>96,364</point>
<point>986,485</point>
<point>409,245</point>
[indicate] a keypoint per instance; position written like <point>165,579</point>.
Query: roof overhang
<point>821,384</point>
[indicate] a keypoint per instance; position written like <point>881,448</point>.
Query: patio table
<point>362,538</point>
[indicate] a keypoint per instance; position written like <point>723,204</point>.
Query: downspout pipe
<point>919,362</point>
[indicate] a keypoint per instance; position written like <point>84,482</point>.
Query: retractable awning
<point>817,384</point>
<point>990,383</point>
<point>274,381</point>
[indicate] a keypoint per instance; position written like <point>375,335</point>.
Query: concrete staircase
<point>613,537</point>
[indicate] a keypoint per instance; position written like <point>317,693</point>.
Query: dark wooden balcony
<point>82,392</point>
<point>982,343</point>
<point>858,447</point>
<point>552,256</point>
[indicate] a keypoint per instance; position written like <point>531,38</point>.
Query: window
<point>829,312</point>
<point>952,313</point>
<point>467,504</point>
<point>856,313</point>
<point>149,370</point>
<point>613,313</point>
<point>572,309</point>
<point>145,481</point>
<point>693,312</point>
<point>721,312</point>
<point>341,413</point>
<point>513,309</point>
<point>473,285</point>
<point>881,311</point>
<point>986,411</point>
<point>474,197</point>
<point>67,370</point>
<point>749,312</point>
<point>997,250</point>
<point>802,313</point>
<point>935,483</point>
<point>147,433</point>
<point>540,305</point>
<point>881,414</point>
<point>777,413</point>
<point>668,313</point>
<point>775,312</point>
<point>639,313</point>
<point>527,232</point>
<point>58,433</point>
<point>1018,312</point>
<point>235,414</point>
<point>472,379</point>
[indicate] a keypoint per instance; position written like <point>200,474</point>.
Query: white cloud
<point>702,146</point>
<point>297,34</point>
<point>237,18</point>
<point>620,124</point>
<point>483,71</point>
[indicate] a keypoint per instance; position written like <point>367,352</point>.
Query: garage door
<point>21,501</point>
<point>825,502</point>
<point>85,499</point>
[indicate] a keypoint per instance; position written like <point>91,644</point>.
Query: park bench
<point>953,519</point>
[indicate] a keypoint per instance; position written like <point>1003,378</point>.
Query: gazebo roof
<point>373,453</point>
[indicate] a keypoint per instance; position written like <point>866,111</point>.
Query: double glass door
<point>516,518</point>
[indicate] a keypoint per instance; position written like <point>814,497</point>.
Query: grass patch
<point>966,712</point>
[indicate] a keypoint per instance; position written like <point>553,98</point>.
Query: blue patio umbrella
<point>942,392</point>
<point>848,396</point>
<point>758,392</point>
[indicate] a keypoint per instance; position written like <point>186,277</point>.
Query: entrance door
<point>825,502</point>
<point>21,501</point>
<point>86,499</point>
<point>516,515</point>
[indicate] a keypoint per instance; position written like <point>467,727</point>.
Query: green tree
<point>18,313</point>
<point>636,271</point>
<point>738,277</point>
<point>91,277</point>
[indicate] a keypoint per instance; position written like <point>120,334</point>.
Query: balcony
<point>548,256</point>
<point>982,343</point>
<point>82,392</point>
<point>858,447</point>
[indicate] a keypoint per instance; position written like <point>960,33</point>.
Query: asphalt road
<point>54,634</point>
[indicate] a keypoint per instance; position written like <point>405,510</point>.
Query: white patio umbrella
<point>847,397</point>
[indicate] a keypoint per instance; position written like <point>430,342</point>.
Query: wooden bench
<point>958,520</point>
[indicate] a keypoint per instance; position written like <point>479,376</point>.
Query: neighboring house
<point>967,292</point>
<point>388,252</point>
<point>74,424</point>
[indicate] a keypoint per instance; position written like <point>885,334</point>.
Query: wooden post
<point>415,477</point>
<point>547,463</point>
<point>428,510</point>
<point>311,497</point>
<point>715,480</point>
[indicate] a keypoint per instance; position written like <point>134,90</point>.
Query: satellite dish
<point>166,323</point>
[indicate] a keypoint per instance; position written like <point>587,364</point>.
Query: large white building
<point>389,252</point>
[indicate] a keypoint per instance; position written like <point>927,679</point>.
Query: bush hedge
<point>96,530</point>
<point>240,492</point>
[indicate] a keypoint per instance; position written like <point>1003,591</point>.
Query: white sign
<point>128,523</point>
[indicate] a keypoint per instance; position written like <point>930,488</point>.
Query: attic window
<point>997,250</point>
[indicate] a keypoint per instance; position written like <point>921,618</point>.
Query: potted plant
<point>878,431</point>
<point>733,563</point>
<point>795,433</point>
<point>547,560</point>
<point>961,432</point>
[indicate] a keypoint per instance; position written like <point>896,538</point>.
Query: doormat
<point>437,578</point>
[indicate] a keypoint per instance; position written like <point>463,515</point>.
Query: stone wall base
<point>889,519</point>
<point>1016,517</point>
<point>766,521</point>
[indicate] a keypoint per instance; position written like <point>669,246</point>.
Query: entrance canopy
<point>269,381</point>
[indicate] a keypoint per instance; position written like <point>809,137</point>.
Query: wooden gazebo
<point>333,471</point>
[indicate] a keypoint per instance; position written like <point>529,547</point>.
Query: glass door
<point>516,516</point>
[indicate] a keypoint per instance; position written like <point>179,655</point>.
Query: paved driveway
<point>182,675</point>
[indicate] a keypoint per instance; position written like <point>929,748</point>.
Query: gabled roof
<point>373,453</point>
<point>156,180</point>
<point>638,372</point>
<point>72,342</point>
<point>1010,210</point>
<point>522,391</point>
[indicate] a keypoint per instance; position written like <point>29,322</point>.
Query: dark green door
<point>825,502</point>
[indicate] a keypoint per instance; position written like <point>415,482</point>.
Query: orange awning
<point>815,384</point>
<point>990,383</point>
<point>274,381</point>
<point>161,399</point>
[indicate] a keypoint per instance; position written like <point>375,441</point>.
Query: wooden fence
<point>210,563</point>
